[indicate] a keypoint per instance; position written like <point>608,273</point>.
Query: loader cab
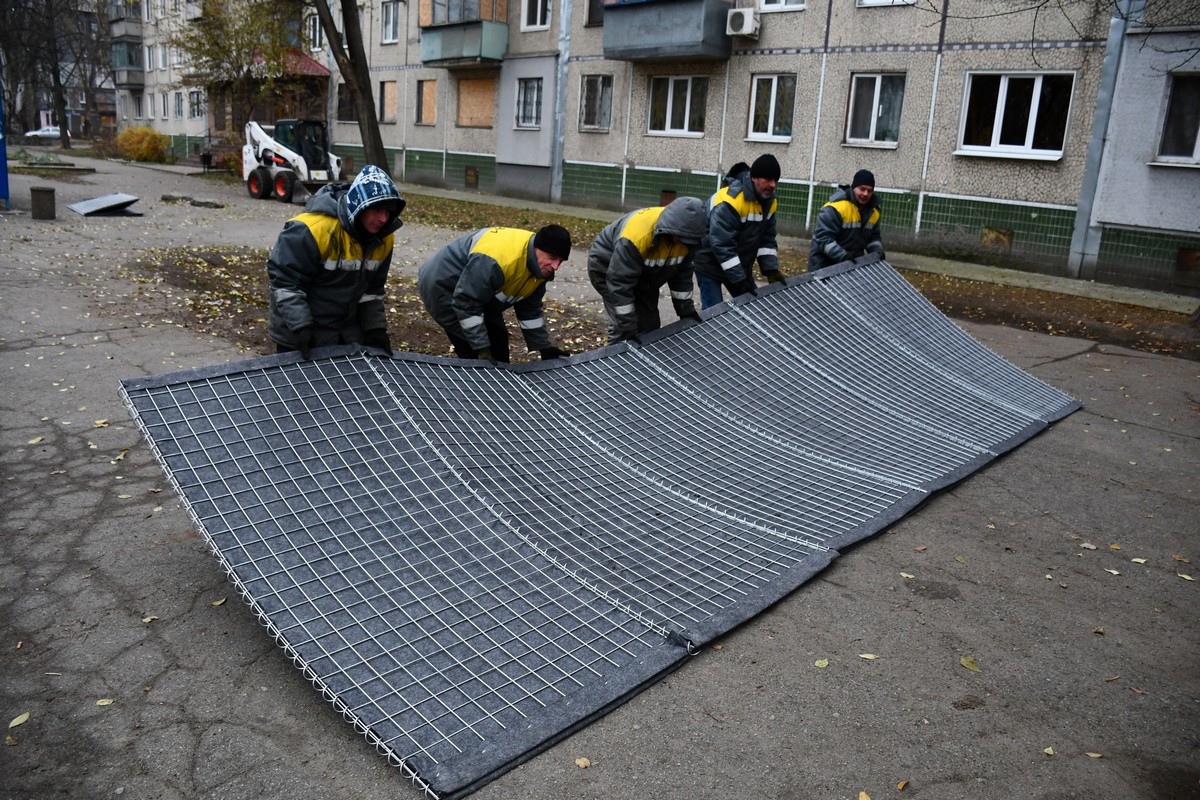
<point>305,137</point>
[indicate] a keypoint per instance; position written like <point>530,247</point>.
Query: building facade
<point>1010,136</point>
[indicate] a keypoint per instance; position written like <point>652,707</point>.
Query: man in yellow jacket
<point>468,284</point>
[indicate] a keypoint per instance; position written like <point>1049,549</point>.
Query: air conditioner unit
<point>742,22</point>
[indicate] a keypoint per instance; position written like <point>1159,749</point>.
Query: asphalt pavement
<point>1035,628</point>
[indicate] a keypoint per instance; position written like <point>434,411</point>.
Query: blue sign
<point>4,162</point>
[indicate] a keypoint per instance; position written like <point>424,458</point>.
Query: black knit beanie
<point>555,240</point>
<point>863,178</point>
<point>765,166</point>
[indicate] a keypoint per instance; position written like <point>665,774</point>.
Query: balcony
<point>125,21</point>
<point>129,78</point>
<point>193,11</point>
<point>476,43</point>
<point>666,30</point>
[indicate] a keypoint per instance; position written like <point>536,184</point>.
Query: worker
<point>329,266</point>
<point>741,230</point>
<point>848,225</point>
<point>633,257</point>
<point>468,284</point>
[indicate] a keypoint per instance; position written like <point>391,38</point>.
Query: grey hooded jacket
<point>326,272</point>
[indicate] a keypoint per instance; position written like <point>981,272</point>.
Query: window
<point>445,11</point>
<point>595,13</point>
<point>1181,128</point>
<point>178,105</point>
<point>166,105</point>
<point>1017,115</point>
<point>391,22</point>
<point>387,101</point>
<point>346,111</point>
<point>476,102</point>
<point>314,34</point>
<point>426,102</point>
<point>529,102</point>
<point>677,105</point>
<point>875,102</point>
<point>137,106</point>
<point>150,101</point>
<point>162,56</point>
<point>771,103</point>
<point>595,103</point>
<point>781,5</point>
<point>149,58</point>
<point>176,56</point>
<point>535,15</point>
<point>195,104</point>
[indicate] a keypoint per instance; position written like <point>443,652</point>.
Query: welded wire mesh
<point>470,562</point>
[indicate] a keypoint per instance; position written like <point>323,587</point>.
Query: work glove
<point>553,352</point>
<point>774,276</point>
<point>486,355</point>
<point>745,287</point>
<point>692,315</point>
<point>378,338</point>
<point>304,341</point>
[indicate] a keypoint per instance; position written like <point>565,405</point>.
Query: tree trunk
<point>355,71</point>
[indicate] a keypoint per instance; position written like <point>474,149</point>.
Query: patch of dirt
<point>222,291</point>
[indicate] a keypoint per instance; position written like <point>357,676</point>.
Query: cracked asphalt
<point>1062,570</point>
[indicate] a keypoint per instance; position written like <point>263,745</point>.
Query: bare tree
<point>242,45</point>
<point>354,69</point>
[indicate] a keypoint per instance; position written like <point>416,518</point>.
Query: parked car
<point>48,133</point>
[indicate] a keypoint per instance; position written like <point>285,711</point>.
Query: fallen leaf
<point>906,575</point>
<point>1114,546</point>
<point>1111,678</point>
<point>1088,546</point>
<point>969,663</point>
<point>100,423</point>
<point>1111,571</point>
<point>921,549</point>
<point>1136,690</point>
<point>716,646</point>
<point>1185,577</point>
<point>1049,751</point>
<point>864,796</point>
<point>1098,630</point>
<point>868,656</point>
<point>19,720</point>
<point>1177,557</point>
<point>583,762</point>
<point>222,600</point>
<point>1138,560</point>
<point>961,559</point>
<point>107,701</point>
<point>821,663</point>
<point>901,786</point>
<point>148,620</point>
<point>36,440</point>
<point>10,740</point>
<point>1094,755</point>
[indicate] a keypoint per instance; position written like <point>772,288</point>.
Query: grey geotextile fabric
<point>470,562</point>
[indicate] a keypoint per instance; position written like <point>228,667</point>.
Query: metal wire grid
<point>469,562</point>
<point>883,299</point>
<point>816,408</point>
<point>816,327</point>
<point>383,576</point>
<point>663,554</point>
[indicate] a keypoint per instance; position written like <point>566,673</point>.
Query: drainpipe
<point>1085,239</point>
<point>812,160</point>
<point>933,98</point>
<point>560,101</point>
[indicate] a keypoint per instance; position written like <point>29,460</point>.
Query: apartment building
<point>1016,136</point>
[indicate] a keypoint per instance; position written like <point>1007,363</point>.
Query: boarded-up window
<point>476,102</point>
<point>426,102</point>
<point>387,101</point>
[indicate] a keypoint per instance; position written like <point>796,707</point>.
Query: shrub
<point>143,144</point>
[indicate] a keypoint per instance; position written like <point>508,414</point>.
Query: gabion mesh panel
<point>471,562</point>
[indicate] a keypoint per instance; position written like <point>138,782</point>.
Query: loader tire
<point>259,183</point>
<point>284,186</point>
